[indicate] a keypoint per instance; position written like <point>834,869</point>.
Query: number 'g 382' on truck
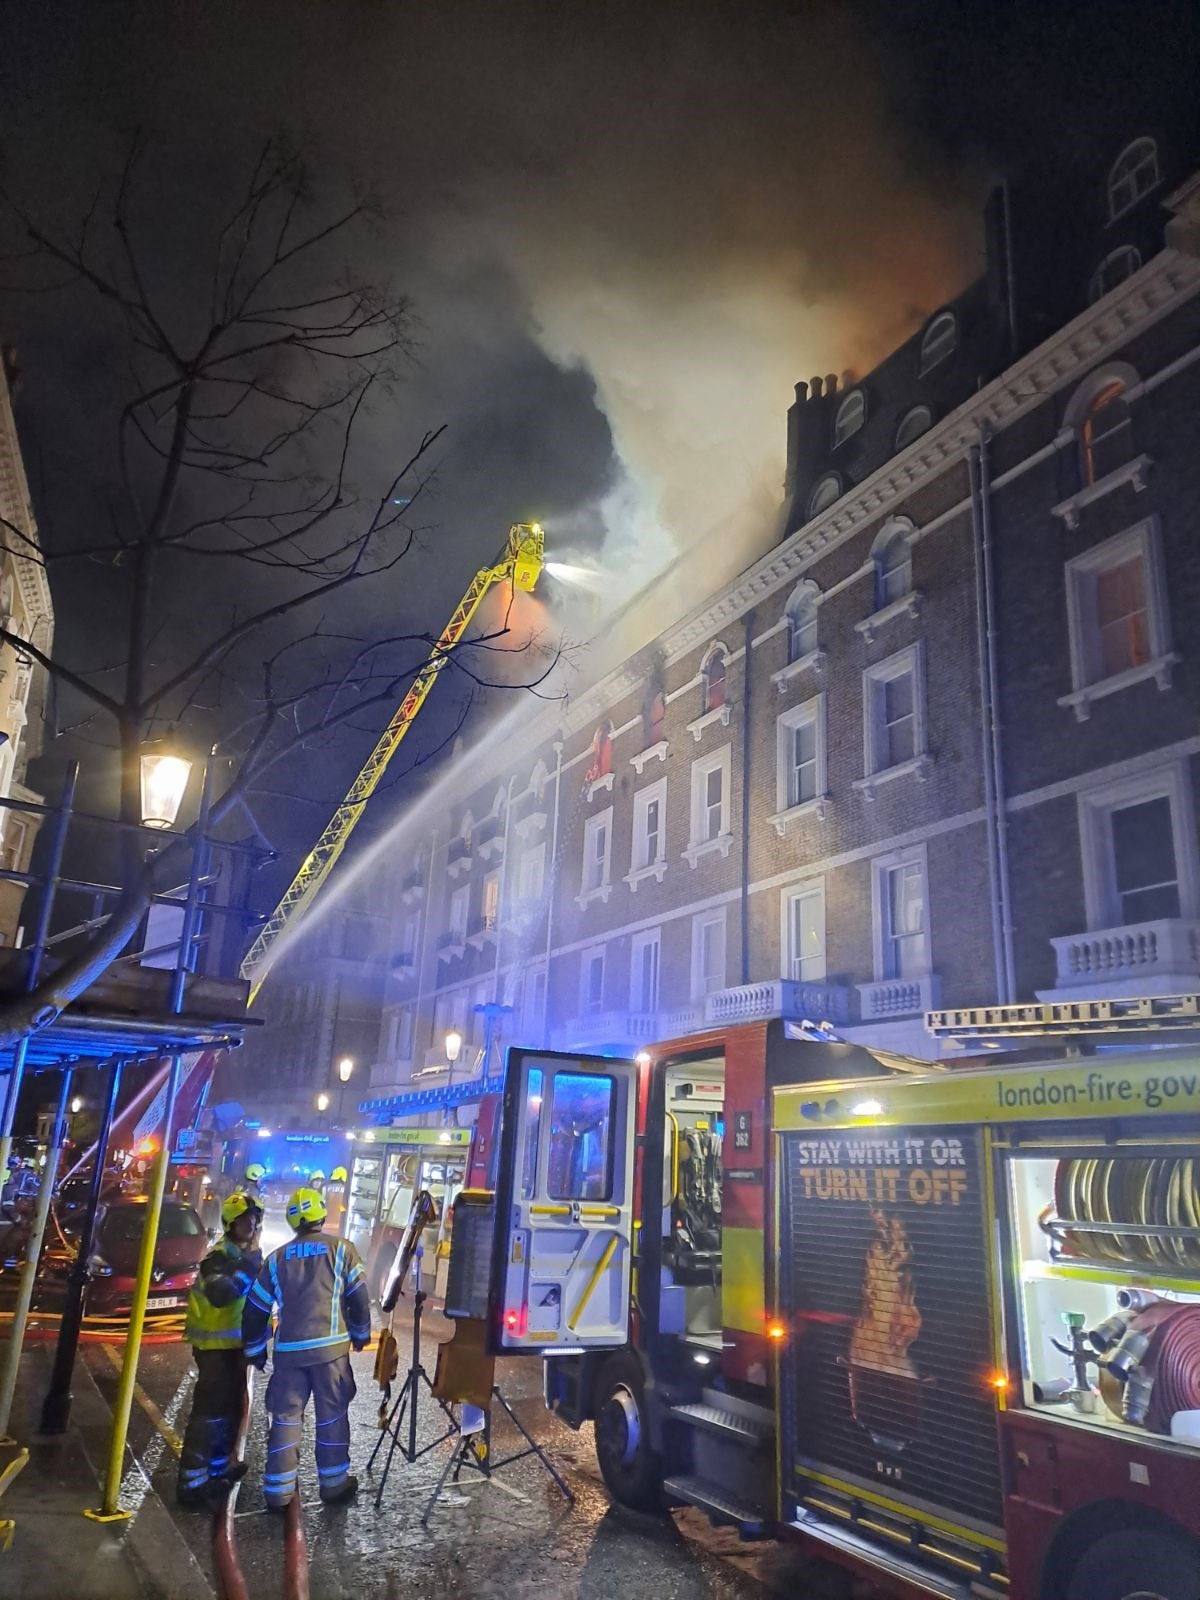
<point>942,1327</point>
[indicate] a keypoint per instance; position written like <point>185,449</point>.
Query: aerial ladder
<point>520,565</point>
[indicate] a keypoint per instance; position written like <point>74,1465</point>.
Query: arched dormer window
<point>892,556</point>
<point>1103,423</point>
<point>601,762</point>
<point>1114,269</point>
<point>538,779</point>
<point>826,490</point>
<point>802,620</point>
<point>849,417</point>
<point>713,674</point>
<point>939,340</point>
<point>1133,174</point>
<point>912,425</point>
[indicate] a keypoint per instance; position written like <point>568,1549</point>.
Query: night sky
<point>626,231</point>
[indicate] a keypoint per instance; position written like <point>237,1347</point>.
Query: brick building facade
<point>938,747</point>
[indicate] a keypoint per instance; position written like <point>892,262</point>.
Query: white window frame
<point>935,346</point>
<point>456,918</point>
<point>1095,806</point>
<point>536,854</point>
<point>587,960</point>
<point>908,422</point>
<point>881,866</point>
<point>533,1007</point>
<point>489,880</point>
<point>813,888</point>
<point>850,416</point>
<point>1148,159</point>
<point>600,890</point>
<point>1105,278</point>
<point>909,660</point>
<point>412,936</point>
<point>821,499</point>
<point>720,760</point>
<point>702,920</point>
<point>810,712</point>
<point>403,1032</point>
<point>1143,540</point>
<point>642,865</point>
<point>647,939</point>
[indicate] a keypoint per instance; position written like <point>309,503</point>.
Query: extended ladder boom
<point>520,565</point>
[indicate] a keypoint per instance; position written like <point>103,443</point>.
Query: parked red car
<point>182,1245</point>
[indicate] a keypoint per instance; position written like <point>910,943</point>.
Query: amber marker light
<point>776,1331</point>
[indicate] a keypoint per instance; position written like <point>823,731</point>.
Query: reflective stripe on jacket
<point>218,1297</point>
<point>317,1287</point>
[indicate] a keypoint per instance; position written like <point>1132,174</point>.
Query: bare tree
<point>238,472</point>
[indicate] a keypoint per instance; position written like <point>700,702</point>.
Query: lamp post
<point>345,1070</point>
<point>322,1101</point>
<point>454,1044</point>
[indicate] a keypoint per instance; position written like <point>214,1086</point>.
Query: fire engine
<point>943,1327</point>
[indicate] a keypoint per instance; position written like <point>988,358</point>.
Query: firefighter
<point>317,1285</point>
<point>214,1331</point>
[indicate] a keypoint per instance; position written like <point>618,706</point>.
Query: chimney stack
<point>801,393</point>
<point>831,384</point>
<point>816,388</point>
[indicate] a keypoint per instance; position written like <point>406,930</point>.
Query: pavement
<point>508,1539</point>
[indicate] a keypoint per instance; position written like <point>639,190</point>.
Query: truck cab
<point>634,1249</point>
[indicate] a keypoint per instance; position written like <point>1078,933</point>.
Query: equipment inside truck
<point>692,1184</point>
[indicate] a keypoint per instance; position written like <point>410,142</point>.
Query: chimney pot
<point>801,393</point>
<point>831,383</point>
<point>816,388</point>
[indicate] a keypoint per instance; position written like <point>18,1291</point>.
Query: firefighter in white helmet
<point>317,1287</point>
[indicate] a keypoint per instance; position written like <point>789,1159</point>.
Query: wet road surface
<point>501,1540</point>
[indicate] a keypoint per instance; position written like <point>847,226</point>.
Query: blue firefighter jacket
<point>317,1287</point>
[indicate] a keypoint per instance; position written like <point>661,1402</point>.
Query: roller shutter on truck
<point>887,1406</point>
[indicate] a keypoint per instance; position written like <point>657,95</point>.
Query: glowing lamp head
<point>454,1044</point>
<point>344,1068</point>
<point>165,771</point>
<point>76,1104</point>
<point>322,1101</point>
<point>526,550</point>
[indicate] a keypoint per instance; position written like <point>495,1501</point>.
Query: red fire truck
<point>942,1327</point>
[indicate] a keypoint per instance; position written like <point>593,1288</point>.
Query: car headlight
<point>98,1267</point>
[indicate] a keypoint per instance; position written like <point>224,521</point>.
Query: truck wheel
<point>630,1468</point>
<point>1137,1564</point>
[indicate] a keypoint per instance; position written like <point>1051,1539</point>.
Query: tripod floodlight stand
<point>474,1450</point>
<point>406,1400</point>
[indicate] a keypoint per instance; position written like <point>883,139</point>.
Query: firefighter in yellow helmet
<point>317,1287</point>
<point>214,1331</point>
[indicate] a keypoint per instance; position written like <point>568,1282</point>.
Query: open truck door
<point>563,1239</point>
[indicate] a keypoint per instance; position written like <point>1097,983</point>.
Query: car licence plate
<point>164,1302</point>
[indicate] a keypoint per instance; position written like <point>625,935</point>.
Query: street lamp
<point>165,771</point>
<point>76,1105</point>
<point>322,1101</point>
<point>345,1067</point>
<point>454,1044</point>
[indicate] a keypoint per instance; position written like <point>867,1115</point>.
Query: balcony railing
<point>452,943</point>
<point>412,888</point>
<point>529,813</point>
<point>482,930</point>
<point>899,997</point>
<point>458,856</point>
<point>404,963</point>
<point>779,997</point>
<point>489,838</point>
<point>1144,958</point>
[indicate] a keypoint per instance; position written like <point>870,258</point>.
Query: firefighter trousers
<point>216,1415</point>
<point>331,1385</point>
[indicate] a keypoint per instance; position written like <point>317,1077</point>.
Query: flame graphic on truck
<point>885,1387</point>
